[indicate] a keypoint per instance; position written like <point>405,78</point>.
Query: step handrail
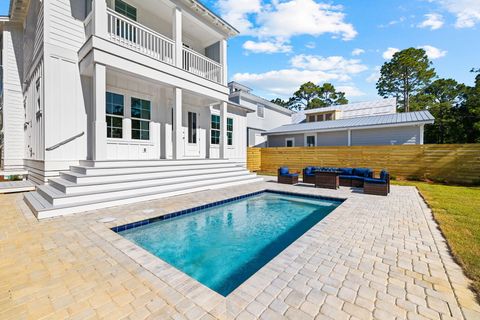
<point>65,141</point>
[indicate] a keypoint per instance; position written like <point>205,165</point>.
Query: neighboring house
<point>87,81</point>
<point>356,124</point>
<point>267,115</point>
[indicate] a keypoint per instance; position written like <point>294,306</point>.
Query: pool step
<point>92,186</point>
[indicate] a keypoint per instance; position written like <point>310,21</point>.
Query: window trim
<point>290,139</point>
<point>115,115</point>
<point>261,107</point>
<point>231,132</point>
<point>132,118</point>
<point>216,130</point>
<point>314,140</point>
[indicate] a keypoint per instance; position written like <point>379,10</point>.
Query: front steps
<point>101,184</point>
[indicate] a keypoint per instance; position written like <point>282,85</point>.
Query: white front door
<point>192,136</point>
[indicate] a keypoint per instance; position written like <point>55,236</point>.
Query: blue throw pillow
<point>347,171</point>
<point>309,170</point>
<point>362,172</point>
<point>283,171</point>
<point>383,175</point>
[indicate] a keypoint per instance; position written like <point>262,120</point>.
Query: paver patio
<point>373,257</point>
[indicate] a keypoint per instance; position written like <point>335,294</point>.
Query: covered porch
<point>133,118</point>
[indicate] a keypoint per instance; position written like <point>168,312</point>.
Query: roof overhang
<point>236,105</point>
<point>202,10</point>
<point>379,126</point>
<point>262,101</point>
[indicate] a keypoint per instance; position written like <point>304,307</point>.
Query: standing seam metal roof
<point>388,119</point>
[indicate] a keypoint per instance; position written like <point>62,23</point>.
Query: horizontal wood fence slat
<point>451,163</point>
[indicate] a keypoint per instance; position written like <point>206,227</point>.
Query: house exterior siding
<point>386,136</point>
<point>334,138</point>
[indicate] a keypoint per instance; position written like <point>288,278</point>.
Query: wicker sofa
<point>354,177</point>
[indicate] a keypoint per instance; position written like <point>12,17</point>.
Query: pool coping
<point>213,302</point>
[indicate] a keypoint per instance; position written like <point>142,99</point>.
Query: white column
<point>177,133</point>
<point>177,35</point>
<point>421,133</point>
<point>99,120</point>
<point>99,11</point>
<point>349,132</point>
<point>223,60</point>
<point>223,130</point>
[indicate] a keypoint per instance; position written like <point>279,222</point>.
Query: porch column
<point>223,130</point>
<point>177,134</point>
<point>421,133</point>
<point>177,35</point>
<point>349,133</point>
<point>98,110</point>
<point>99,15</point>
<point>223,60</point>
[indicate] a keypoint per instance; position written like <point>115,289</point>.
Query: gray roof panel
<point>417,117</point>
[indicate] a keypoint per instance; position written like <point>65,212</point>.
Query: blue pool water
<point>223,246</point>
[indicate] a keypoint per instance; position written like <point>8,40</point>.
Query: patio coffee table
<point>327,179</point>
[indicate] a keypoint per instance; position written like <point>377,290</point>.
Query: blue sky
<point>285,43</point>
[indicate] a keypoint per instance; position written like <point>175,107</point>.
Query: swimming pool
<point>221,245</point>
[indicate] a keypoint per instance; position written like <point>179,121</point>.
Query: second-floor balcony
<point>133,34</point>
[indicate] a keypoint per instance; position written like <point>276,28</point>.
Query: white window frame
<point>260,107</point>
<point>314,139</point>
<point>290,139</point>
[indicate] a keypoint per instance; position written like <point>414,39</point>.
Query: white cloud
<point>388,54</point>
<point>310,45</point>
<point>336,64</point>
<point>433,21</point>
<point>305,68</point>
<point>279,21</point>
<point>357,52</point>
<point>433,52</point>
<point>350,91</point>
<point>467,12</point>
<point>374,76</point>
<point>266,47</point>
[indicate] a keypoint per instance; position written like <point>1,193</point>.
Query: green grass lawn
<point>457,211</point>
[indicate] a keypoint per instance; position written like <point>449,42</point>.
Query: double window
<point>141,114</point>
<point>114,112</point>
<point>229,131</point>
<point>215,129</point>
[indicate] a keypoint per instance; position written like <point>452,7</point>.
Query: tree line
<point>411,78</point>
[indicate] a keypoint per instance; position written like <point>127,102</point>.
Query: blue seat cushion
<point>346,171</point>
<point>357,178</point>
<point>309,171</point>
<point>362,172</point>
<point>383,175</point>
<point>373,180</point>
<point>290,175</point>
<point>283,171</point>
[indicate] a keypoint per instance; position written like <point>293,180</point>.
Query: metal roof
<point>396,119</point>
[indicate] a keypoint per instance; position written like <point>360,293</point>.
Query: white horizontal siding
<point>335,138</point>
<point>66,28</point>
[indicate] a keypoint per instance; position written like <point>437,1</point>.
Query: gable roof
<point>396,119</point>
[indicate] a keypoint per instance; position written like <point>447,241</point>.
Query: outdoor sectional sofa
<point>349,177</point>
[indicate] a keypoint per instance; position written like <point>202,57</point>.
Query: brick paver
<point>373,257</point>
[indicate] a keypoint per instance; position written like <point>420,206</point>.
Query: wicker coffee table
<point>327,179</point>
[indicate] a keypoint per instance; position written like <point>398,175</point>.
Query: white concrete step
<point>44,209</point>
<point>82,178</point>
<point>145,168</point>
<point>57,197</point>
<point>69,187</point>
<point>149,163</point>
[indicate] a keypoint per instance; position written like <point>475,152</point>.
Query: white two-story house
<point>90,83</point>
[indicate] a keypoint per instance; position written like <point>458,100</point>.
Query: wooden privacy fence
<point>451,163</point>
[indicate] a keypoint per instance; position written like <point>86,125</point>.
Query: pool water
<point>223,246</point>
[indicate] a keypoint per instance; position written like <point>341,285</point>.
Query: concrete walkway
<point>373,257</point>
<point>16,186</point>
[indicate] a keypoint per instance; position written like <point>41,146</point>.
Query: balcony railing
<point>131,34</point>
<point>202,66</point>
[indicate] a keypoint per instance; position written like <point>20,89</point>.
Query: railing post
<point>99,11</point>
<point>223,61</point>
<point>177,36</point>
